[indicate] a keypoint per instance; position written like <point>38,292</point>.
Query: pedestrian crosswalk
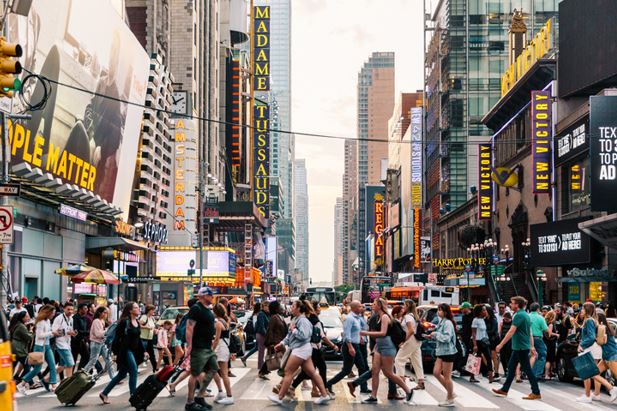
<point>248,389</point>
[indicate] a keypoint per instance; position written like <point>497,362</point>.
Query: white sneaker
<point>595,397</point>
<point>456,374</point>
<point>584,399</point>
<point>227,401</point>
<point>322,400</point>
<point>447,403</point>
<point>275,399</point>
<point>221,395</point>
<point>613,393</point>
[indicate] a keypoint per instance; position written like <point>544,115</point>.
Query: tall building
<point>375,105</point>
<point>350,195</point>
<point>301,218</point>
<point>466,55</point>
<point>337,269</point>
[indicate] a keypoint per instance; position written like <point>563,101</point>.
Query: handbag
<point>273,361</point>
<point>473,364</point>
<point>35,358</point>
<point>585,366</point>
<point>281,371</point>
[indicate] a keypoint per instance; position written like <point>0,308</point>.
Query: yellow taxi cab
<point>7,385</point>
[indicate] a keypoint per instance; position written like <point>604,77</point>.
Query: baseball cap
<point>465,304</point>
<point>24,300</point>
<point>204,291</point>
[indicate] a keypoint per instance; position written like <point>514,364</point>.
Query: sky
<point>331,39</point>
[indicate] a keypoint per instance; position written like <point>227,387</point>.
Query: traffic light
<point>9,67</point>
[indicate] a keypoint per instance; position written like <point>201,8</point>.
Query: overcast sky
<point>331,39</point>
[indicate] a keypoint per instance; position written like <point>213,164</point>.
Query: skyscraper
<point>301,220</point>
<point>350,193</point>
<point>337,269</point>
<point>375,105</point>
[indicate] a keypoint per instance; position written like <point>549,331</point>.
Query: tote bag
<point>473,364</point>
<point>585,366</point>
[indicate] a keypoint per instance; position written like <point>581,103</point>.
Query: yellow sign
<point>180,187</point>
<point>537,48</point>
<point>595,291</point>
<point>379,226</point>
<point>456,263</point>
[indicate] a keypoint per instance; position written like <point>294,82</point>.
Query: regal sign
<point>379,227</point>
<point>485,183</point>
<point>261,52</point>
<point>541,140</point>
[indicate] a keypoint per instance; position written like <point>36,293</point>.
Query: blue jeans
<point>520,357</point>
<point>538,366</point>
<point>127,367</point>
<point>51,363</point>
<point>348,363</point>
<point>99,349</point>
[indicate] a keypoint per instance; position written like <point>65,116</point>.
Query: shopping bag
<point>585,366</point>
<point>473,364</point>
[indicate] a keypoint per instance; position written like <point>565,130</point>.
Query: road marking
<point>516,397</point>
<point>464,396</point>
<point>560,394</point>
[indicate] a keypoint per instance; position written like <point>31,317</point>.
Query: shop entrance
<point>31,287</point>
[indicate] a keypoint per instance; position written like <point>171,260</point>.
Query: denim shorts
<point>385,346</point>
<point>65,357</point>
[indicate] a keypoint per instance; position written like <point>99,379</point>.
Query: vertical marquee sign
<point>261,52</point>
<point>379,227</point>
<point>485,183</point>
<point>541,140</point>
<point>416,184</point>
<point>261,160</point>
<point>603,152</point>
<point>417,238</point>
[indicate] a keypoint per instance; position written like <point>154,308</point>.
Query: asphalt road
<point>251,393</point>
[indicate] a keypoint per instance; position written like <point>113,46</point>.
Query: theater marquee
<point>485,183</point>
<point>541,140</point>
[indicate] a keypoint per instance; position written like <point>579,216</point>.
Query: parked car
<point>568,349</point>
<point>170,314</point>
<point>333,326</point>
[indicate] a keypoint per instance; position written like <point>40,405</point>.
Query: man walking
<point>79,344</point>
<point>538,328</point>
<point>351,349</point>
<point>199,336</point>
<point>63,326</point>
<point>522,345</point>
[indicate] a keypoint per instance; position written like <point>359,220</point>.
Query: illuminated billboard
<point>177,263</point>
<point>88,140</point>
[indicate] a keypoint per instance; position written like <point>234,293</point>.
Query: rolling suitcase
<point>73,388</point>
<point>152,387</point>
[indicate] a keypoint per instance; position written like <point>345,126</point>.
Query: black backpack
<point>235,345</point>
<point>420,330</point>
<point>397,334</point>
<point>249,328</point>
<point>316,335</point>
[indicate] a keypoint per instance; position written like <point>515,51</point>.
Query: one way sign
<point>7,189</point>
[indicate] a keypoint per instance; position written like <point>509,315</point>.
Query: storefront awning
<point>603,229</point>
<point>117,243</point>
<point>587,280</point>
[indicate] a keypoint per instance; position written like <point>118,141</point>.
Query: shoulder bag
<point>35,358</point>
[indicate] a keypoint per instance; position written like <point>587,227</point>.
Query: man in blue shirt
<point>351,347</point>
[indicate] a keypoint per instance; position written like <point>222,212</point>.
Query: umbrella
<point>96,276</point>
<point>74,269</point>
<point>236,300</point>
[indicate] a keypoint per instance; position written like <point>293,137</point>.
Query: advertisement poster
<point>485,182</point>
<point>416,158</point>
<point>86,140</point>
<point>559,243</point>
<point>541,140</point>
<point>603,152</point>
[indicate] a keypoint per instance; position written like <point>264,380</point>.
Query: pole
<point>5,286</point>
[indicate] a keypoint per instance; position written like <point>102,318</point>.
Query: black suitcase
<point>149,389</point>
<point>73,388</point>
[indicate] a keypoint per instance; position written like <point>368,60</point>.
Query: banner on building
<point>541,140</point>
<point>485,182</point>
<point>416,158</point>
<point>261,159</point>
<point>603,152</point>
<point>417,235</point>
<point>185,180</point>
<point>234,97</point>
<point>87,140</point>
<point>559,243</point>
<point>261,48</point>
<point>378,229</point>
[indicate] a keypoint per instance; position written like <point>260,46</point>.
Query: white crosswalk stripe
<point>464,396</point>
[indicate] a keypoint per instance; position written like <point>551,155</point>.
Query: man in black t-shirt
<point>563,324</point>
<point>199,336</point>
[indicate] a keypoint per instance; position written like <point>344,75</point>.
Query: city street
<point>249,391</point>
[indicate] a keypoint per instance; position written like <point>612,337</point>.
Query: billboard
<point>261,159</point>
<point>541,140</point>
<point>572,141</point>
<point>261,51</point>
<point>559,243</point>
<point>485,182</point>
<point>603,152</point>
<point>85,139</point>
<point>591,45</point>
<point>416,157</point>
<point>177,263</point>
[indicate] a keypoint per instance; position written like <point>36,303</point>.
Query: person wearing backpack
<point>257,325</point>
<point>411,347</point>
<point>97,342</point>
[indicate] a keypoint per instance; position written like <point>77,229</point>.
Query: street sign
<point>6,225</point>
<point>8,189</point>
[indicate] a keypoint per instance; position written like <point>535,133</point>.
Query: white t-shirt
<point>480,326</point>
<point>16,311</point>
<point>409,319</point>
<point>61,322</point>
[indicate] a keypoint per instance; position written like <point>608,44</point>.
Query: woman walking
<point>316,355</point>
<point>259,318</point>
<point>276,332</point>
<point>504,354</point>
<point>21,339</point>
<point>220,345</point>
<point>42,334</point>
<point>385,351</point>
<point>492,329</point>
<point>128,348</point>
<point>550,340</point>
<point>445,349</point>
<point>147,326</point>
<point>298,340</point>
<point>97,342</point>
<point>589,331</point>
<point>411,349</point>
<point>176,344</point>
<point>481,342</point>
